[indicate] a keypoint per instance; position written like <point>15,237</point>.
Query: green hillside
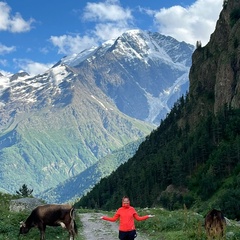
<point>49,146</point>
<point>75,187</point>
<point>201,165</point>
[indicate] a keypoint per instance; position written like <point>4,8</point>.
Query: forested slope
<point>193,157</point>
<point>199,164</point>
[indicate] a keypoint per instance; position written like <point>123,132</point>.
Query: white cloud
<point>32,68</point>
<point>190,24</point>
<point>3,62</point>
<point>5,50</point>
<point>109,10</point>
<point>109,31</point>
<point>110,21</point>
<point>72,44</point>
<point>13,23</point>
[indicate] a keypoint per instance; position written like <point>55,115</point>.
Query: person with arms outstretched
<point>126,214</point>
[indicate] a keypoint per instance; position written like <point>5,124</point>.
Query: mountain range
<point>89,105</point>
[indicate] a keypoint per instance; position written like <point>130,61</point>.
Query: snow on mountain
<point>19,84</point>
<point>157,66</point>
<point>147,48</point>
<point>8,81</point>
<point>4,83</point>
<point>149,65</point>
<point>75,59</point>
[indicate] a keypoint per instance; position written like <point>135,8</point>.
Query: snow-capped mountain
<point>143,72</point>
<point>58,124</point>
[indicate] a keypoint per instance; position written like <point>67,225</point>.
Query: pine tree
<point>24,191</point>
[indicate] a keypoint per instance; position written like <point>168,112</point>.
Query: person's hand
<point>101,217</point>
<point>150,216</point>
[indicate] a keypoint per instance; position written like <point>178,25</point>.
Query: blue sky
<point>34,35</point>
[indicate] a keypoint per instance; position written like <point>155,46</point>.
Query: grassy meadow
<point>166,225</point>
<point>177,225</point>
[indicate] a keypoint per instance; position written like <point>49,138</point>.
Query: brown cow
<point>51,215</point>
<point>215,224</point>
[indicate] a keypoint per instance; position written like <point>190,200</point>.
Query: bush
<point>171,200</point>
<point>229,204</point>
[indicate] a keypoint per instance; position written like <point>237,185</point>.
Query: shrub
<point>229,203</point>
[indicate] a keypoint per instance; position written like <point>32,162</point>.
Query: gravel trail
<point>94,228</point>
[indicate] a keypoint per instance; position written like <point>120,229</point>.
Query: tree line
<point>199,162</point>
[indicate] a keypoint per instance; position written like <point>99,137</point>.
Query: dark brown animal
<point>215,224</point>
<point>51,215</point>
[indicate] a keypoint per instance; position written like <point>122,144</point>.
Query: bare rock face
<point>24,204</point>
<point>215,72</point>
<point>227,74</point>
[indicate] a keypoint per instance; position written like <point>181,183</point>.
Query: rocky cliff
<point>214,75</point>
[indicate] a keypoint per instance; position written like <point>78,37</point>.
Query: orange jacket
<point>126,215</point>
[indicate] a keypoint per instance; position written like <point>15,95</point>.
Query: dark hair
<point>125,197</point>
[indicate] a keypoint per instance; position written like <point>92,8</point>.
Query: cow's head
<point>23,228</point>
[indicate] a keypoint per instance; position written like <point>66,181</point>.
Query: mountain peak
<point>57,124</point>
<point>134,43</point>
<point>19,75</point>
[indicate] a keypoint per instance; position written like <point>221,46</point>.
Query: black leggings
<point>130,235</point>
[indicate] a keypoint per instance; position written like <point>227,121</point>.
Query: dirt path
<point>94,228</point>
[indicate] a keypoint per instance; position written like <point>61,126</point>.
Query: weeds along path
<point>96,228</point>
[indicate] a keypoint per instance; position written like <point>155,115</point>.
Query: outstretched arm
<point>111,219</point>
<point>142,218</point>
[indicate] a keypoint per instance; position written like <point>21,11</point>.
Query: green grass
<point>180,224</point>
<point>166,225</point>
<point>10,224</point>
<point>176,225</point>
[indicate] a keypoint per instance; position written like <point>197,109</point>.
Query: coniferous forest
<point>192,159</point>
<point>201,163</point>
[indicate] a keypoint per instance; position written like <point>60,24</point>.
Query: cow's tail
<point>73,222</point>
<point>75,228</point>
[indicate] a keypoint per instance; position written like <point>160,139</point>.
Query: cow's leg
<point>42,230</point>
<point>209,234</point>
<point>71,231</point>
<point>71,234</point>
<point>223,227</point>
